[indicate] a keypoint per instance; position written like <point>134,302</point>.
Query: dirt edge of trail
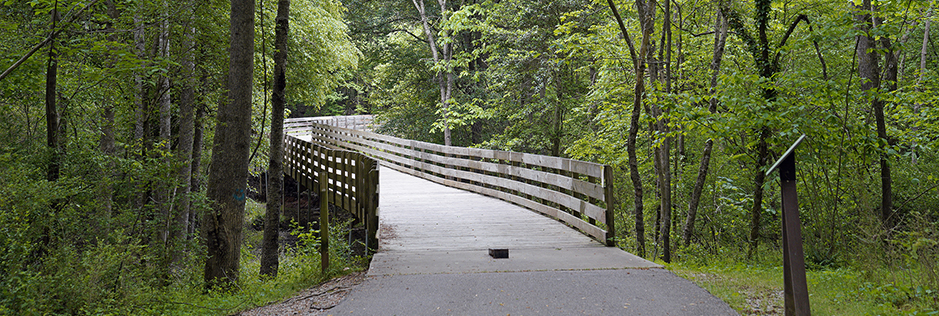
<point>314,301</point>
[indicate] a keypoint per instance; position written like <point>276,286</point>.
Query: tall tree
<point>639,66</point>
<point>165,187</point>
<point>720,39</point>
<point>442,54</point>
<point>767,66</point>
<point>184,151</point>
<point>228,173</point>
<point>52,112</point>
<point>664,149</point>
<point>275,171</point>
<point>869,71</point>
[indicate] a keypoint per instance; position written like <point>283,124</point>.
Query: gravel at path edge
<point>314,301</point>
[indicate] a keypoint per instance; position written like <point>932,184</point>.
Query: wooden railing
<point>575,192</point>
<point>351,178</point>
<point>302,124</point>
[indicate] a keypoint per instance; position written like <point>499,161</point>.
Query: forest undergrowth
<point>120,277</point>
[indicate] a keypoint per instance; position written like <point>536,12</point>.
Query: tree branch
<point>409,33</point>
<point>622,28</point>
<point>782,42</point>
<point>48,39</point>
<point>818,52</point>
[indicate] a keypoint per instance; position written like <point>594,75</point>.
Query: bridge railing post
<point>610,205</point>
<point>324,222</point>
<point>371,189</point>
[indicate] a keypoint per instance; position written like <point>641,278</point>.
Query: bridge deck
<point>426,227</point>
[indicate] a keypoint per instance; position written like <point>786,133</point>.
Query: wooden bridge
<point>440,210</point>
<point>439,204</point>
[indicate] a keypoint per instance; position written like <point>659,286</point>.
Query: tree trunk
<point>107,143</point>
<point>52,112</point>
<point>639,65</point>
<point>275,171</point>
<point>665,149</point>
<point>720,39</point>
<point>888,84</point>
<point>767,70</point>
<point>195,184</point>
<point>228,173</point>
<point>164,188</point>
<point>141,109</point>
<point>558,132</point>
<point>869,72</point>
<point>186,133</point>
<point>647,21</point>
<point>759,178</point>
<point>919,80</point>
<point>444,80</point>
<point>665,198</point>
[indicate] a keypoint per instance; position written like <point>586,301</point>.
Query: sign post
<point>796,287</point>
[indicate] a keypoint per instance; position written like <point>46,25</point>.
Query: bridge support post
<point>371,222</point>
<point>324,219</point>
<point>796,288</point>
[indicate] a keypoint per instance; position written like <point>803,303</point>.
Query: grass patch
<point>758,290</point>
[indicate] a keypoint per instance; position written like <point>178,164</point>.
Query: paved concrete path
<point>433,260</point>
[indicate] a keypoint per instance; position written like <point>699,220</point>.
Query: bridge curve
<point>441,208</point>
<point>433,257</point>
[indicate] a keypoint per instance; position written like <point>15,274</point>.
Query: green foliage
<point>96,240</point>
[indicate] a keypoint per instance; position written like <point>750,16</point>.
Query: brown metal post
<point>796,288</point>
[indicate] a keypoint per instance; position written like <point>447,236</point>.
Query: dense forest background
<point>109,110</point>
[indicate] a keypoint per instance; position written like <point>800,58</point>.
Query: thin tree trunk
<point>444,81</point>
<point>558,132</point>
<point>164,194</point>
<point>869,72</point>
<point>141,109</point>
<point>665,149</point>
<point>647,21</point>
<point>186,134</point>
<point>52,112</point>
<point>228,173</point>
<point>888,84</point>
<point>107,143</point>
<point>54,133</point>
<point>638,93</point>
<point>759,178</point>
<point>195,184</point>
<point>767,70</point>
<point>922,74</point>
<point>275,171</point>
<point>665,199</point>
<point>720,39</point>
